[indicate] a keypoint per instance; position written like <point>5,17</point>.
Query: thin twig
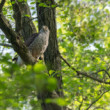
<point>104,71</point>
<point>67,62</point>
<point>7,45</point>
<point>81,104</point>
<point>96,100</point>
<point>107,73</point>
<point>32,19</point>
<point>84,73</point>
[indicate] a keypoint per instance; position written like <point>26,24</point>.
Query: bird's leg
<point>42,57</point>
<point>37,58</point>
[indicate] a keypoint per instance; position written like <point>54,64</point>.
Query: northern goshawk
<point>36,44</point>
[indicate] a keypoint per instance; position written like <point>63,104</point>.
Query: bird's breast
<point>39,45</point>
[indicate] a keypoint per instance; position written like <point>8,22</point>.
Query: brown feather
<point>31,39</point>
<point>37,44</point>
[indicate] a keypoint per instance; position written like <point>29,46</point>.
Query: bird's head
<point>45,29</point>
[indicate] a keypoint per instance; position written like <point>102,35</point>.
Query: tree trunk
<point>47,16</point>
<point>22,16</point>
<point>28,27</point>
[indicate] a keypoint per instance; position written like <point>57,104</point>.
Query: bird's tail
<point>18,60</point>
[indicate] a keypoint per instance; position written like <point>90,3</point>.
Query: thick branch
<point>2,4</point>
<point>6,21</point>
<point>28,28</point>
<point>46,16</point>
<point>16,42</point>
<point>17,16</point>
<point>84,73</point>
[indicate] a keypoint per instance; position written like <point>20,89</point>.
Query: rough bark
<point>28,27</point>
<point>22,16</point>
<point>2,4</point>
<point>46,16</point>
<point>52,58</point>
<point>15,40</point>
<point>17,16</point>
<point>23,24</point>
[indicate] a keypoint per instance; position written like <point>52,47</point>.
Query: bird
<point>36,44</point>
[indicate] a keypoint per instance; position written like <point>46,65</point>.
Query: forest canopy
<point>83,35</point>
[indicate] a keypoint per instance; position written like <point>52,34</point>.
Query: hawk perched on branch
<point>37,44</point>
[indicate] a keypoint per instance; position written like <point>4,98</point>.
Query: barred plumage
<point>37,44</point>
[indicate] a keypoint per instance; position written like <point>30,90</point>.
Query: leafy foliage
<point>84,41</point>
<point>83,34</point>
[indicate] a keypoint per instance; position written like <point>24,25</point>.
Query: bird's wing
<point>31,39</point>
<point>27,42</point>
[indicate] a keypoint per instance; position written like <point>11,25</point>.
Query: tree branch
<point>28,28</point>
<point>96,100</point>
<point>2,4</point>
<point>16,42</point>
<point>7,45</point>
<point>67,63</point>
<point>17,16</point>
<point>81,103</point>
<point>103,71</point>
<point>84,73</point>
